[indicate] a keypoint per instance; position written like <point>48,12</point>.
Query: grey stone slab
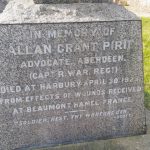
<point>70,1</point>
<point>127,143</point>
<point>66,83</point>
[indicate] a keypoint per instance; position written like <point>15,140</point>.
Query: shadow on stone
<point>3,4</point>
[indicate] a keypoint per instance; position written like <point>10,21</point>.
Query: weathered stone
<point>70,1</point>
<point>25,11</point>
<point>65,81</point>
<point>2,5</point>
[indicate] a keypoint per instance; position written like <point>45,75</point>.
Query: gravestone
<point>70,78</point>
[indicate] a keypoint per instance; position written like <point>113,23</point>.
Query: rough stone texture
<point>30,119</point>
<point>25,11</point>
<point>57,54</point>
<point>127,143</point>
<point>3,3</point>
<point>71,1</point>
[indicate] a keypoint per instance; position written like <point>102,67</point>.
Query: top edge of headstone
<point>70,1</point>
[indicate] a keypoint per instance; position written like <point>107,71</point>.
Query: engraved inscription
<point>71,80</point>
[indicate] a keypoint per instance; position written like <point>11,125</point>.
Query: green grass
<point>146,46</point>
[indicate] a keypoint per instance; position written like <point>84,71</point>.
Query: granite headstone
<point>71,81</point>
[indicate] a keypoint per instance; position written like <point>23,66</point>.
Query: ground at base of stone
<point>141,142</point>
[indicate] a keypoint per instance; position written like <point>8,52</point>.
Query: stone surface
<point>25,11</point>
<point>69,77</point>
<point>71,1</point>
<point>2,5</point>
<point>44,67</point>
<point>127,143</point>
